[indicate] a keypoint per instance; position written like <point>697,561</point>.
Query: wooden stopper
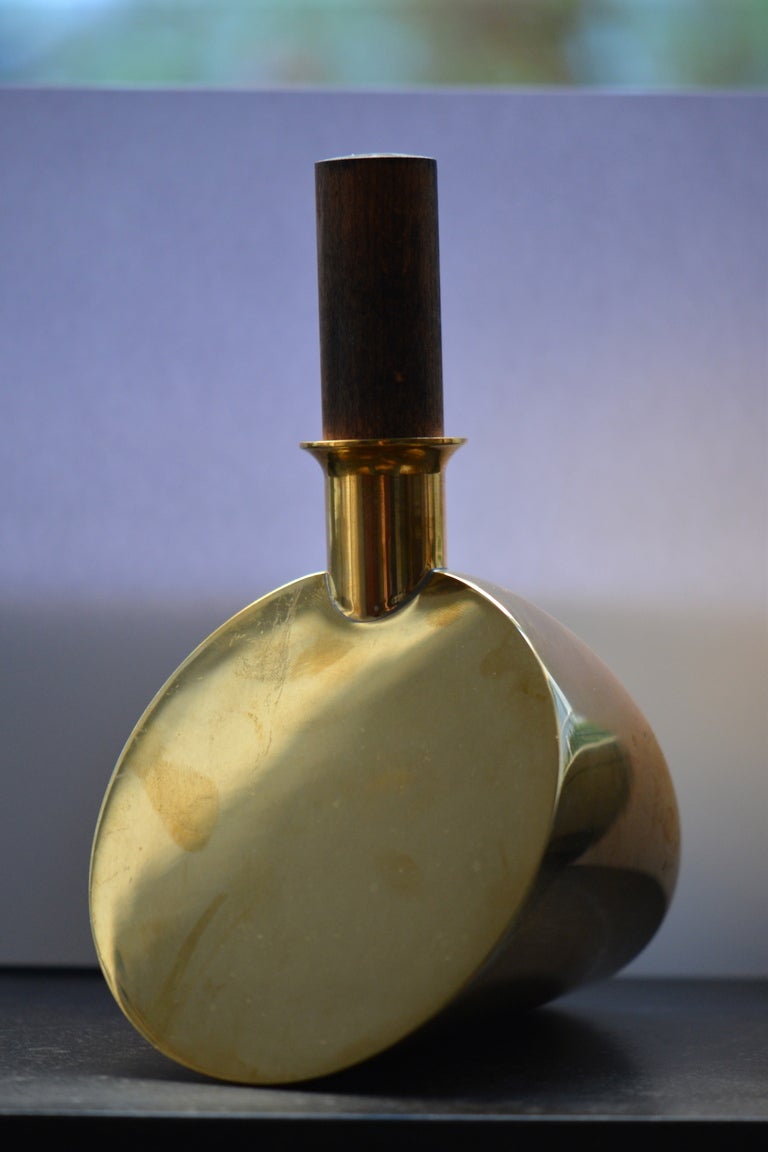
<point>379,297</point>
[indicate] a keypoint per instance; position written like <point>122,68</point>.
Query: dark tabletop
<point>621,1060</point>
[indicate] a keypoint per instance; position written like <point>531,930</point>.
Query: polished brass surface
<point>324,832</point>
<point>321,829</point>
<point>385,518</point>
<point>608,875</point>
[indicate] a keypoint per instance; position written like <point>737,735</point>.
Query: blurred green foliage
<point>385,43</point>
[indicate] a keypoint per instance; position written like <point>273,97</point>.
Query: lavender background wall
<point>605,296</point>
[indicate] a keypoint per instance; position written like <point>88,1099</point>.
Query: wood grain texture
<point>379,297</point>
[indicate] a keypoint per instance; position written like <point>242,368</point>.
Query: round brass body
<point>324,832</point>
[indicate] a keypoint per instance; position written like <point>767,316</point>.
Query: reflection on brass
<point>371,797</point>
<point>384,511</point>
<point>594,790</point>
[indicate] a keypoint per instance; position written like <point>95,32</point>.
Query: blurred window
<point>384,43</point>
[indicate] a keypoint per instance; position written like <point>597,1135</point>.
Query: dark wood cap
<point>379,297</point>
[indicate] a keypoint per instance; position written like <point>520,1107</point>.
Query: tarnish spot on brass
<point>504,661</point>
<point>319,656</point>
<point>390,780</point>
<point>400,872</point>
<point>444,617</point>
<point>186,801</point>
<point>499,661</point>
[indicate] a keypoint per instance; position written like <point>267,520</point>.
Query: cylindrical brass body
<point>385,518</point>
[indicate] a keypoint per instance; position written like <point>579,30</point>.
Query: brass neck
<point>385,518</point>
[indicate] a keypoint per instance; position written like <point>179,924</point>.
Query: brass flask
<point>387,791</point>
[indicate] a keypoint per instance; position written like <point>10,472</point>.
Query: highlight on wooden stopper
<point>379,297</point>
